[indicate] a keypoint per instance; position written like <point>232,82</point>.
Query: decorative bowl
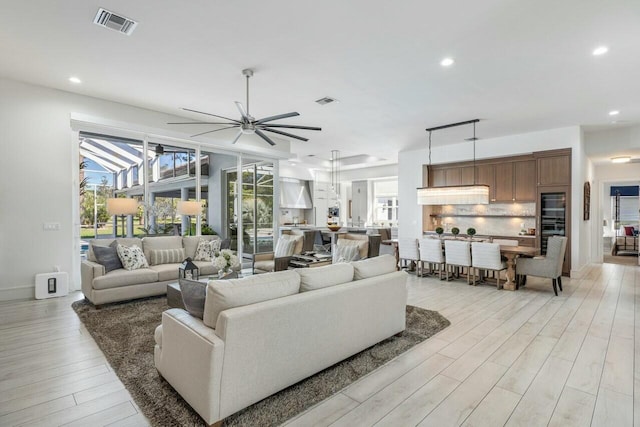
<point>333,227</point>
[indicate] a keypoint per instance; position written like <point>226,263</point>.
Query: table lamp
<point>189,208</point>
<point>123,207</point>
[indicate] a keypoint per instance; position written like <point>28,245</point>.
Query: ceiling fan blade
<point>215,130</point>
<point>295,127</point>
<point>265,137</point>
<point>199,123</point>
<point>214,115</point>
<point>290,135</point>
<point>243,113</point>
<point>278,117</point>
<point>237,137</point>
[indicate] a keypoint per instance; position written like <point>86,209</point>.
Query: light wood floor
<point>508,358</point>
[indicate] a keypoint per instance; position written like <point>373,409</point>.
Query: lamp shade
<point>454,195</point>
<point>122,206</point>
<point>189,207</point>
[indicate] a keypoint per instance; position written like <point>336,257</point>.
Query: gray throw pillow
<point>108,256</point>
<point>193,296</point>
<point>225,244</point>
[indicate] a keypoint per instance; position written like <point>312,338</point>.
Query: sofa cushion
<point>122,277</point>
<point>190,243</point>
<point>226,294</point>
<point>323,277</point>
<point>160,242</point>
<point>108,256</point>
<point>132,258</point>
<point>375,266</point>
<point>166,271</point>
<point>166,256</point>
<point>205,268</point>
<point>106,242</point>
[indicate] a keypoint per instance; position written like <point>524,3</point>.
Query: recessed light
<point>447,62</point>
<point>75,80</point>
<point>600,50</point>
<point>614,113</point>
<point>621,159</point>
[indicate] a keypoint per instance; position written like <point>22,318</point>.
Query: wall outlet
<point>51,226</point>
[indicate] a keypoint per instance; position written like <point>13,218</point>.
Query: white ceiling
<point>520,66</point>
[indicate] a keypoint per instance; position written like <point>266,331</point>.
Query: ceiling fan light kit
<point>460,194</point>
<point>248,125</point>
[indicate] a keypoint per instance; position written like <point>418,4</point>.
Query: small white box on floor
<point>49,285</point>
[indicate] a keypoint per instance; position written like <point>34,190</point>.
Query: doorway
<point>621,223</point>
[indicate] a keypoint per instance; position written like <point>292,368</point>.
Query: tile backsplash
<point>498,219</point>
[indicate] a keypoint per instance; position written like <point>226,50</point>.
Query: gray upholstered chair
<point>486,256</point>
<point>431,253</point>
<point>549,266</point>
<point>458,255</point>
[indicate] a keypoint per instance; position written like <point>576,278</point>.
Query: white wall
<point>36,183</point>
<point>410,165</point>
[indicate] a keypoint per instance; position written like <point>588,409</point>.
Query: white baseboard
<point>19,292</point>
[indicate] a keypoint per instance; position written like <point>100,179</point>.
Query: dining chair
<point>408,251</point>
<point>486,256</point>
<point>549,266</point>
<point>431,253</point>
<point>458,256</point>
<point>506,242</point>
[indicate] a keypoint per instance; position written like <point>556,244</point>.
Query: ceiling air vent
<point>326,100</point>
<point>116,22</point>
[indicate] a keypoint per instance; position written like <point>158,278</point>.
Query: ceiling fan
<point>248,124</point>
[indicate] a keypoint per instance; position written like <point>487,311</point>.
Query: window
<point>385,195</point>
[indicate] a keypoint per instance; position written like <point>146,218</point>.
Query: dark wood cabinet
<point>453,176</point>
<point>504,182</point>
<point>438,178</point>
<point>466,175</point>
<point>485,175</point>
<point>525,180</point>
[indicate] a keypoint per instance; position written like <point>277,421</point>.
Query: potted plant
<point>455,231</point>
<point>471,232</point>
<point>439,231</point>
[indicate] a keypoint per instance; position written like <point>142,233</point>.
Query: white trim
<point>18,293</point>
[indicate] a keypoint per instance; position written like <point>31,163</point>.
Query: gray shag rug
<point>124,332</point>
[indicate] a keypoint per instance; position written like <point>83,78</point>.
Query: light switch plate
<point>51,226</point>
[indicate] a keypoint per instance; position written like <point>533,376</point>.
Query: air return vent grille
<point>116,22</point>
<point>326,100</point>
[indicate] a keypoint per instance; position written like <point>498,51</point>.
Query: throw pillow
<point>628,230</point>
<point>132,258</point>
<point>284,247</point>
<point>166,256</point>
<point>215,246</point>
<point>203,251</point>
<point>346,253</point>
<point>108,256</point>
<point>193,296</point>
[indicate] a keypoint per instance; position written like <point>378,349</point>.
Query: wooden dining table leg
<point>510,284</point>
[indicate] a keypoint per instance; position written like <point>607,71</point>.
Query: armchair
<point>268,261</point>
<point>549,266</point>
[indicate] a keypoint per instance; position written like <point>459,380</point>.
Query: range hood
<point>295,194</point>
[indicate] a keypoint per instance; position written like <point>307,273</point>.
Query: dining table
<point>511,253</point>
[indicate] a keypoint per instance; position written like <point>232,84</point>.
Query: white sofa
<point>121,285</point>
<point>258,349</point>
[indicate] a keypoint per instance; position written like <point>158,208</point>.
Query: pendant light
<point>459,194</point>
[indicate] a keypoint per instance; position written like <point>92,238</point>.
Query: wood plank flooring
<point>520,358</point>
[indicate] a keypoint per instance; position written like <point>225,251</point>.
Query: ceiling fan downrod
<point>248,73</point>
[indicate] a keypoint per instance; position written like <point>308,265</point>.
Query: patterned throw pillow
<point>284,248</point>
<point>132,258</point>
<point>215,246</point>
<point>166,256</point>
<point>203,251</point>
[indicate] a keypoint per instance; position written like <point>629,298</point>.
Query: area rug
<point>124,332</point>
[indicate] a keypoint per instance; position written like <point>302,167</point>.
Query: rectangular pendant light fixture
<point>457,194</point>
<point>454,195</point>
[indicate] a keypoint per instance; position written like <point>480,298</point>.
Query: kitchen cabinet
<point>503,183</point>
<point>438,178</point>
<point>466,175</point>
<point>554,170</point>
<point>452,176</point>
<point>524,181</point>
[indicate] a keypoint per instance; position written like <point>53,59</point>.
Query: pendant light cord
<point>429,148</point>
<point>474,153</point>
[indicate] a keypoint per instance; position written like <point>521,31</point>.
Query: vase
<point>224,272</point>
